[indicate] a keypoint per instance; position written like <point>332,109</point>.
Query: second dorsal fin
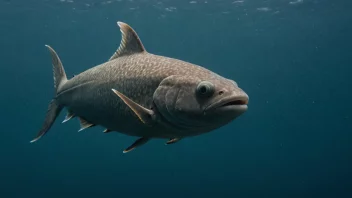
<point>130,42</point>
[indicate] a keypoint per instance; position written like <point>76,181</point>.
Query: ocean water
<point>292,57</point>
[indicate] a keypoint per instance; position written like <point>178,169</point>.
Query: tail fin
<point>58,70</point>
<point>54,108</point>
<point>53,111</point>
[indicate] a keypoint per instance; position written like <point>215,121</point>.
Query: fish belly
<point>96,103</point>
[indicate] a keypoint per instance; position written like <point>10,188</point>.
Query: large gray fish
<point>145,95</point>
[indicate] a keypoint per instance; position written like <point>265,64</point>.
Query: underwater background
<point>292,57</point>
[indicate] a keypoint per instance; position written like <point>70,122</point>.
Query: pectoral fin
<point>144,114</point>
<point>136,144</point>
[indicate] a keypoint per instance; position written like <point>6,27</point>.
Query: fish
<point>144,95</point>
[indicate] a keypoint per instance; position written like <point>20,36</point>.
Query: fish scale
<point>141,94</point>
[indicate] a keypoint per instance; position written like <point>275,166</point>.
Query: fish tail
<point>58,70</point>
<point>51,114</point>
<point>54,108</point>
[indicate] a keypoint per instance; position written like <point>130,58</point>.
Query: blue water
<point>292,57</point>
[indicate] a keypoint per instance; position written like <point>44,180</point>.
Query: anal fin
<point>69,116</point>
<point>107,131</point>
<point>172,141</point>
<point>136,144</point>
<point>84,124</point>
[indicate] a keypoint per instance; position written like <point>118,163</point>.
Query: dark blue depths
<point>293,58</point>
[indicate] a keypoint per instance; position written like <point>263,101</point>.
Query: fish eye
<point>205,88</point>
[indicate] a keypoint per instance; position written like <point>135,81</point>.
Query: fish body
<point>137,76</point>
<point>141,94</point>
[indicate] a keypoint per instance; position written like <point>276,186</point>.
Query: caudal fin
<point>54,108</point>
<point>58,70</point>
<point>53,111</point>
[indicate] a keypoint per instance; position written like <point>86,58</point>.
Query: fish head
<point>199,104</point>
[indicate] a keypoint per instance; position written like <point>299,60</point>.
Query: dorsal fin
<point>130,42</point>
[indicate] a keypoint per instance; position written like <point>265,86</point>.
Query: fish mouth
<point>233,102</point>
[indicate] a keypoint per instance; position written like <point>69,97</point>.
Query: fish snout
<point>234,102</point>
